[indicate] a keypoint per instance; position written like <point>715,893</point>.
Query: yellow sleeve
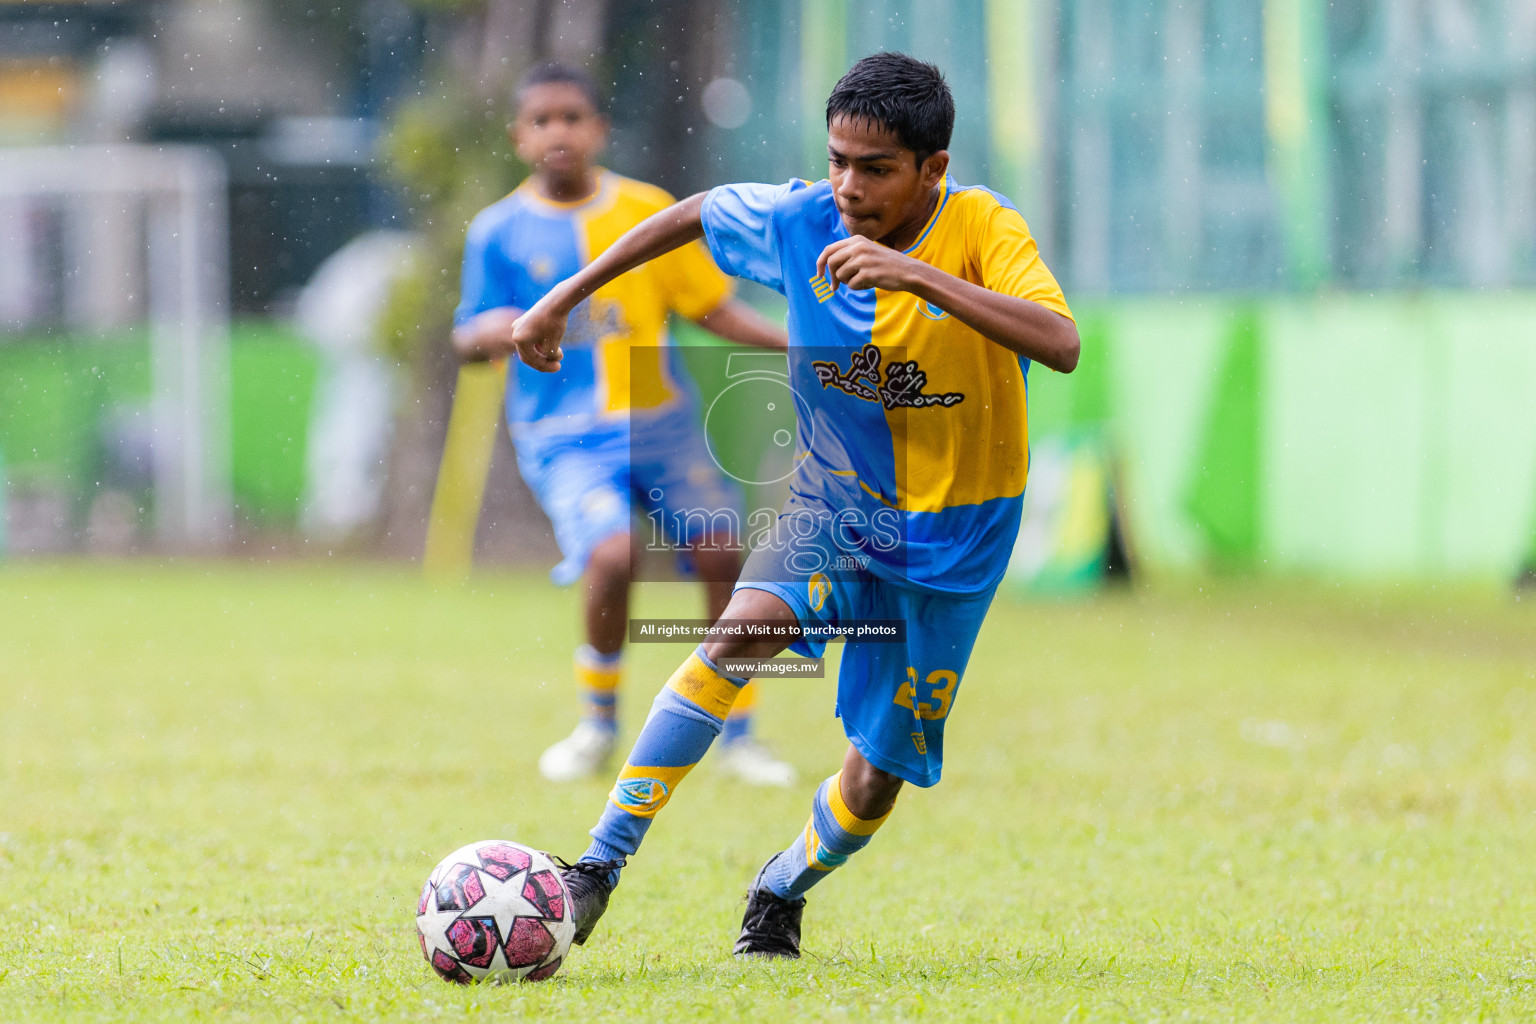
<point>1010,261</point>
<point>691,282</point>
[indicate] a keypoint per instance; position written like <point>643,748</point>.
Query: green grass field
<point>221,787</point>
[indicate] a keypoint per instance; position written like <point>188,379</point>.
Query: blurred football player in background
<point>617,429</point>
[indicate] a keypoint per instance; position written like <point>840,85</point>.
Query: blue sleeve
<point>738,224</point>
<point>486,281</point>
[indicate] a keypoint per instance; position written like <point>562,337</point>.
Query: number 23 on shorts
<point>943,683</point>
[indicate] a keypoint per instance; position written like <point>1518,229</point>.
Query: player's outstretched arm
<point>537,332</point>
<point>486,336</point>
<point>736,321</point>
<point>1018,325</point>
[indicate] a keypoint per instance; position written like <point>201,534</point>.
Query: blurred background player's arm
<point>697,289</point>
<point>736,321</point>
<point>487,336</point>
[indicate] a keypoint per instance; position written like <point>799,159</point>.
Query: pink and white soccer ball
<point>495,910</point>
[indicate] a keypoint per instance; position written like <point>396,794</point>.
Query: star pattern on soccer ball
<point>434,925</point>
<point>503,901</point>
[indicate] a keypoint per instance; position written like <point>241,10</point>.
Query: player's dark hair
<point>554,72</point>
<point>901,93</point>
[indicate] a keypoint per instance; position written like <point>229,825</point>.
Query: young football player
<point>916,308</point>
<point>618,424</point>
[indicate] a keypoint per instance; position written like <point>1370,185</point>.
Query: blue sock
<point>831,836</point>
<point>598,677</point>
<point>600,851</point>
<point>737,727</point>
<point>685,718</point>
<point>738,724</point>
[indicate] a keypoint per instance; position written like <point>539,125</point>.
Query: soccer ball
<point>495,910</point>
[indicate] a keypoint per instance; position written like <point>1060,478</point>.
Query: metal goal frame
<point>182,194</point>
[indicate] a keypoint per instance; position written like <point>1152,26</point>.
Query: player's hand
<point>537,335</point>
<point>861,262</point>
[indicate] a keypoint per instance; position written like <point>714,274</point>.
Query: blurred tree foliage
<point>447,148</point>
<point>452,160</point>
<point>448,151</point>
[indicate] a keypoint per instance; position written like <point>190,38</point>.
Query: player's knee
<point>716,564</point>
<point>610,564</point>
<point>756,606</point>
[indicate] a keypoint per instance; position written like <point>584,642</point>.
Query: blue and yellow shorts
<point>591,482</point>
<point>893,698</point>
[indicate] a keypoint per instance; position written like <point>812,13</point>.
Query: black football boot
<point>589,887</point>
<point>771,926</point>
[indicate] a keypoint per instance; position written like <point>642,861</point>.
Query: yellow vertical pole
<point>823,60</point>
<point>1295,116</point>
<point>466,463</point>
<point>1013,101</point>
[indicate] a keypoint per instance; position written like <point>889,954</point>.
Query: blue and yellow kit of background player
<point>617,425</point>
<point>912,458</point>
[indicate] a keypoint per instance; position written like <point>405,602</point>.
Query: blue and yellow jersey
<point>618,357</point>
<point>917,435</point>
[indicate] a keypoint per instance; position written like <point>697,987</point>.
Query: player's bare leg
<point>869,792</point>
<point>741,754</point>
<point>688,714</point>
<point>605,611</point>
<point>610,571</point>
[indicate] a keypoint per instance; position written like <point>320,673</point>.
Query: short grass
<point>221,786</point>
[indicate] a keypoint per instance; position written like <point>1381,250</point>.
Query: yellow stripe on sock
<point>813,848</point>
<point>591,677</point>
<point>697,682</point>
<point>746,700</point>
<point>849,821</point>
<point>642,790</point>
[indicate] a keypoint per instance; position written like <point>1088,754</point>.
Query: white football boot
<point>754,764</point>
<point>582,754</point>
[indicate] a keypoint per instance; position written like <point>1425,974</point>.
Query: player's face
<point>880,189</point>
<point>557,131</point>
